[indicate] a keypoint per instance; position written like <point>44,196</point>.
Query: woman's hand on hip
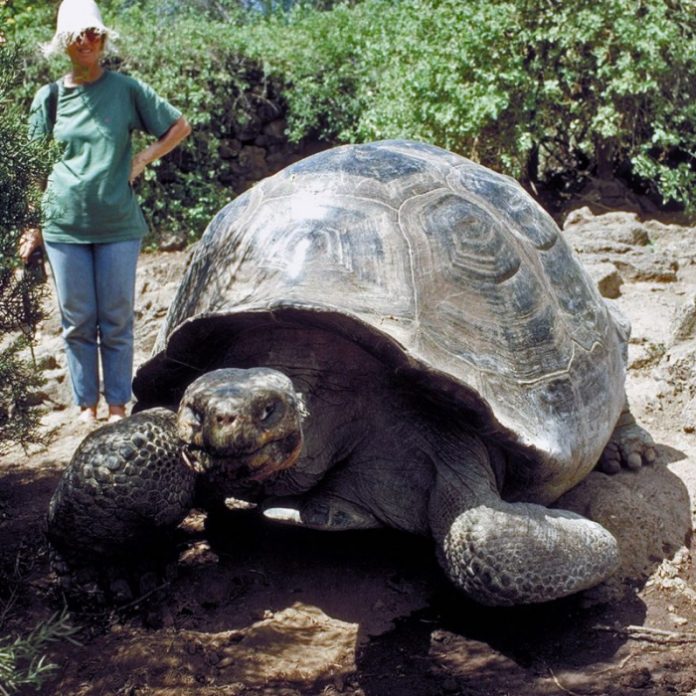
<point>137,167</point>
<point>179,130</point>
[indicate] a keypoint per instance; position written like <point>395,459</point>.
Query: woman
<point>92,224</point>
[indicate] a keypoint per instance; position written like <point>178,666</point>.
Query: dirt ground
<point>257,609</point>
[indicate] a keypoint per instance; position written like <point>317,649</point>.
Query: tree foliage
<point>551,93</point>
<point>534,88</point>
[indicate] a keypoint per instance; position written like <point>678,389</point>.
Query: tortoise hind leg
<point>630,446</point>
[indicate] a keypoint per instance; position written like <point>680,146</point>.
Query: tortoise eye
<point>269,410</point>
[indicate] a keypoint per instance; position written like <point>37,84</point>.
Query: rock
<point>640,679</point>
<point>48,362</point>
<point>622,240</point>
<point>252,159</point>
<point>684,325</point>
<point>247,127</point>
<point>607,192</point>
<point>644,355</point>
<point>652,500</point>
<point>299,643</point>
<point>172,242</point>
<point>616,232</point>
<point>230,149</point>
<point>677,240</point>
<point>275,130</point>
<point>229,179</point>
<point>647,267</point>
<point>607,278</point>
<point>689,417</point>
<point>267,109</point>
<point>56,391</point>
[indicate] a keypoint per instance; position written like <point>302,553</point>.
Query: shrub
<point>22,660</point>
<point>551,93</point>
<point>210,83</point>
<point>22,165</point>
<point>542,91</point>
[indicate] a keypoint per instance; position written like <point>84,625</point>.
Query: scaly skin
<point>130,482</point>
<point>125,483</point>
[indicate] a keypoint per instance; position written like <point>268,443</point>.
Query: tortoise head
<point>244,423</point>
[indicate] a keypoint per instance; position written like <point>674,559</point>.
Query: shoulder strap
<point>52,104</point>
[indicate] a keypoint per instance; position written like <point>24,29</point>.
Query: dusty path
<point>263,610</point>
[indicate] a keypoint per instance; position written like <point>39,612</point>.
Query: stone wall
<point>252,131</point>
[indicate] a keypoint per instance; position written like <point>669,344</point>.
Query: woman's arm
<point>179,130</point>
<point>31,239</point>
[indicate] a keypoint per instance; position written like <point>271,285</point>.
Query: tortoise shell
<point>448,272</point>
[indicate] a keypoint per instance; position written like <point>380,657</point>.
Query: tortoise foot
<point>630,447</point>
<point>113,517</point>
<point>100,584</point>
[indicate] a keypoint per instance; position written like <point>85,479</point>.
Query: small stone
<point>684,322</point>
<point>607,278</point>
<point>639,679</point>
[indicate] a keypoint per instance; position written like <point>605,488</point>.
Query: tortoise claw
<point>630,447</point>
<point>321,512</point>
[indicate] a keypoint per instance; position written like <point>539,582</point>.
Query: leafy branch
<point>23,662</point>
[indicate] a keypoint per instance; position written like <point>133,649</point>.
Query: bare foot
<point>630,446</point>
<point>88,414</point>
<point>116,413</point>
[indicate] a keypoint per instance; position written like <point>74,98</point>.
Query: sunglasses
<point>91,34</point>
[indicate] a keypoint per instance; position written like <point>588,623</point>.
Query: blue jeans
<point>95,284</point>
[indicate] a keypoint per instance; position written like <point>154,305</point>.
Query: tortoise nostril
<point>223,419</point>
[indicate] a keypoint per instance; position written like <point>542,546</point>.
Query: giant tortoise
<point>379,335</point>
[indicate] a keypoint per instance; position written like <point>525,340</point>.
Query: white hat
<point>74,16</point>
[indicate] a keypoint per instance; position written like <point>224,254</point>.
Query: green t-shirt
<point>88,198</point>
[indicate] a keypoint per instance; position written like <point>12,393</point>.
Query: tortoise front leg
<point>321,510</point>
<point>125,489</point>
<point>503,553</point>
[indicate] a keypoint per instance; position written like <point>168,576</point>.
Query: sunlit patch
<point>307,205</point>
<point>297,261</point>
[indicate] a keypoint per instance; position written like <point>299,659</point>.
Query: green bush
<point>22,165</point>
<point>542,91</point>
<point>18,15</point>
<point>551,93</point>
